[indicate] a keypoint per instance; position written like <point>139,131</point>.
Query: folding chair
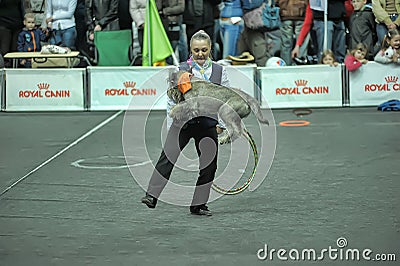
<point>113,48</point>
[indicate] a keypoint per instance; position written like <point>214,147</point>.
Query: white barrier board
<point>373,84</point>
<point>44,90</point>
<point>301,86</point>
<point>133,88</point>
<point>144,88</point>
<point>242,77</point>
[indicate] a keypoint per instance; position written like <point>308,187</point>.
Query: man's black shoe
<point>200,210</point>
<point>149,201</point>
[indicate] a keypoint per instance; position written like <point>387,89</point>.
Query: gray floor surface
<point>337,178</point>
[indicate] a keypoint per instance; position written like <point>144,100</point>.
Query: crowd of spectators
<point>350,25</point>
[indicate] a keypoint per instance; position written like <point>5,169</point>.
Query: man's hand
<point>296,51</point>
<point>50,19</point>
<point>219,130</point>
<point>97,28</point>
<point>391,26</point>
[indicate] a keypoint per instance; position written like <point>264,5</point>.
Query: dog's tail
<point>254,106</point>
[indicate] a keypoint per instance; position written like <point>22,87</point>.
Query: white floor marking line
<point>80,164</point>
<point>90,132</point>
<point>382,123</point>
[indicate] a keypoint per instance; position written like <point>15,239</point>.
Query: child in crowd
<point>362,27</point>
<point>29,38</point>
<point>356,58</point>
<point>391,41</point>
<point>328,58</point>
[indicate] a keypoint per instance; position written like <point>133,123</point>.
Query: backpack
<point>391,105</point>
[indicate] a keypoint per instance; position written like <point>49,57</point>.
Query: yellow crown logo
<point>390,79</point>
<point>301,82</point>
<point>129,84</point>
<point>43,86</point>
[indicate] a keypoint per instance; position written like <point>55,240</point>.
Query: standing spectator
<point>362,27</point>
<point>171,14</point>
<point>336,29</point>
<point>304,32</point>
<point>61,21</point>
<point>199,15</point>
<point>101,15</point>
<point>125,19</point>
<point>254,41</point>
<point>386,16</point>
<point>231,25</point>
<point>137,9</point>
<point>81,28</point>
<point>11,17</point>
<point>29,38</point>
<point>292,13</point>
<point>1,61</point>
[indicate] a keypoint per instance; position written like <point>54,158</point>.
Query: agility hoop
<point>248,181</point>
<point>294,123</point>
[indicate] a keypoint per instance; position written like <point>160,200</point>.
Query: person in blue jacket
<point>29,38</point>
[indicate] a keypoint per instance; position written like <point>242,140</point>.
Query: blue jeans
<point>290,28</point>
<point>230,34</point>
<point>183,44</point>
<point>65,38</point>
<point>336,38</point>
<point>381,30</point>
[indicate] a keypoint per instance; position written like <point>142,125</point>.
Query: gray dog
<point>207,99</point>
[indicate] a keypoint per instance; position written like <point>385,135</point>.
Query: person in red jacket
<point>356,58</point>
<point>305,29</point>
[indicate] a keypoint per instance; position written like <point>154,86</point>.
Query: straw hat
<point>242,59</point>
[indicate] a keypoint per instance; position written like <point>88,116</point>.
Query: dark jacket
<point>336,11</point>
<point>29,40</point>
<point>171,9</point>
<point>12,14</point>
<point>362,29</point>
<point>103,13</point>
<point>200,12</point>
<point>292,9</point>
<point>171,14</point>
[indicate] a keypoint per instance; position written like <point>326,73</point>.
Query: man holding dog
<point>204,131</point>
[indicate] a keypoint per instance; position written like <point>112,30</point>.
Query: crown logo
<point>129,84</point>
<point>391,79</point>
<point>43,86</point>
<point>301,82</point>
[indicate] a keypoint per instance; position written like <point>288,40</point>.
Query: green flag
<point>160,47</point>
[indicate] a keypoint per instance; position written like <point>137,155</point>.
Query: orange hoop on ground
<point>294,123</point>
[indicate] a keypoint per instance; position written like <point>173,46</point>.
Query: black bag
<point>265,18</point>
